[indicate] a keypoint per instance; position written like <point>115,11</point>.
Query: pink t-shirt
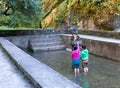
<point>76,53</point>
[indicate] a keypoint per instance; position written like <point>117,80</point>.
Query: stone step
<point>45,36</point>
<point>45,40</point>
<point>39,48</point>
<point>45,44</point>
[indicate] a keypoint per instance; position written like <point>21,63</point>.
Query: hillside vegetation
<point>85,14</point>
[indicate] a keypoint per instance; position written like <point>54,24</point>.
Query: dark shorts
<point>76,63</point>
<point>84,64</point>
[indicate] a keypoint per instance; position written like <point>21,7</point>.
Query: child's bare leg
<point>86,69</point>
<point>78,70</point>
<point>75,71</point>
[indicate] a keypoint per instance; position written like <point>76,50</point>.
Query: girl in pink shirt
<point>76,58</point>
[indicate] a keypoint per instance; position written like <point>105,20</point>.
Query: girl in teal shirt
<point>84,55</point>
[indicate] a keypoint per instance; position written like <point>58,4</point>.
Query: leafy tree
<point>21,13</point>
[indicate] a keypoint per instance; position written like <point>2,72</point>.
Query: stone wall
<point>97,47</point>
<point>6,33</point>
<point>20,41</point>
<point>104,49</point>
<point>107,34</point>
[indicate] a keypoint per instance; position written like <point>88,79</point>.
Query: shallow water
<point>103,73</point>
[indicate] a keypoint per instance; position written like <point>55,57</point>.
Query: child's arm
<point>78,47</point>
<point>72,54</point>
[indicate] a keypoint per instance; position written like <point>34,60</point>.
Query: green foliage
<point>101,12</point>
<point>60,18</point>
<point>22,13</point>
<point>97,1</point>
<point>49,5</point>
<point>67,2</point>
<point>18,20</point>
<point>30,13</point>
<point>118,7</point>
<point>1,8</point>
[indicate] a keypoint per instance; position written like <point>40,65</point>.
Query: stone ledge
<point>104,47</point>
<point>41,75</point>
<point>100,33</point>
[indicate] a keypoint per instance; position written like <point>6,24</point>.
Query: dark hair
<point>84,46</point>
<point>75,47</point>
<point>74,31</point>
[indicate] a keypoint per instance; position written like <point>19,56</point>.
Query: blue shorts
<point>76,63</point>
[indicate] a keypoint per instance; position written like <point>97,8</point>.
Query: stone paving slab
<point>39,73</point>
<point>9,76</point>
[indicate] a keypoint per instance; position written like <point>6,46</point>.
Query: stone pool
<point>103,73</point>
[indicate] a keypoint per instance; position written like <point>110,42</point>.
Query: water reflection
<point>85,83</point>
<point>77,80</point>
<point>81,80</point>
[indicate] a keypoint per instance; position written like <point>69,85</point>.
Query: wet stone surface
<point>103,73</point>
<point>10,76</point>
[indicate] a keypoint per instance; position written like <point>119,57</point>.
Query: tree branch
<point>6,10</point>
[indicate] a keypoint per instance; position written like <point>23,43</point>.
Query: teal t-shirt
<point>84,55</point>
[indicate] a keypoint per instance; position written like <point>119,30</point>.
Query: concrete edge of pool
<point>104,47</point>
<point>41,75</point>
